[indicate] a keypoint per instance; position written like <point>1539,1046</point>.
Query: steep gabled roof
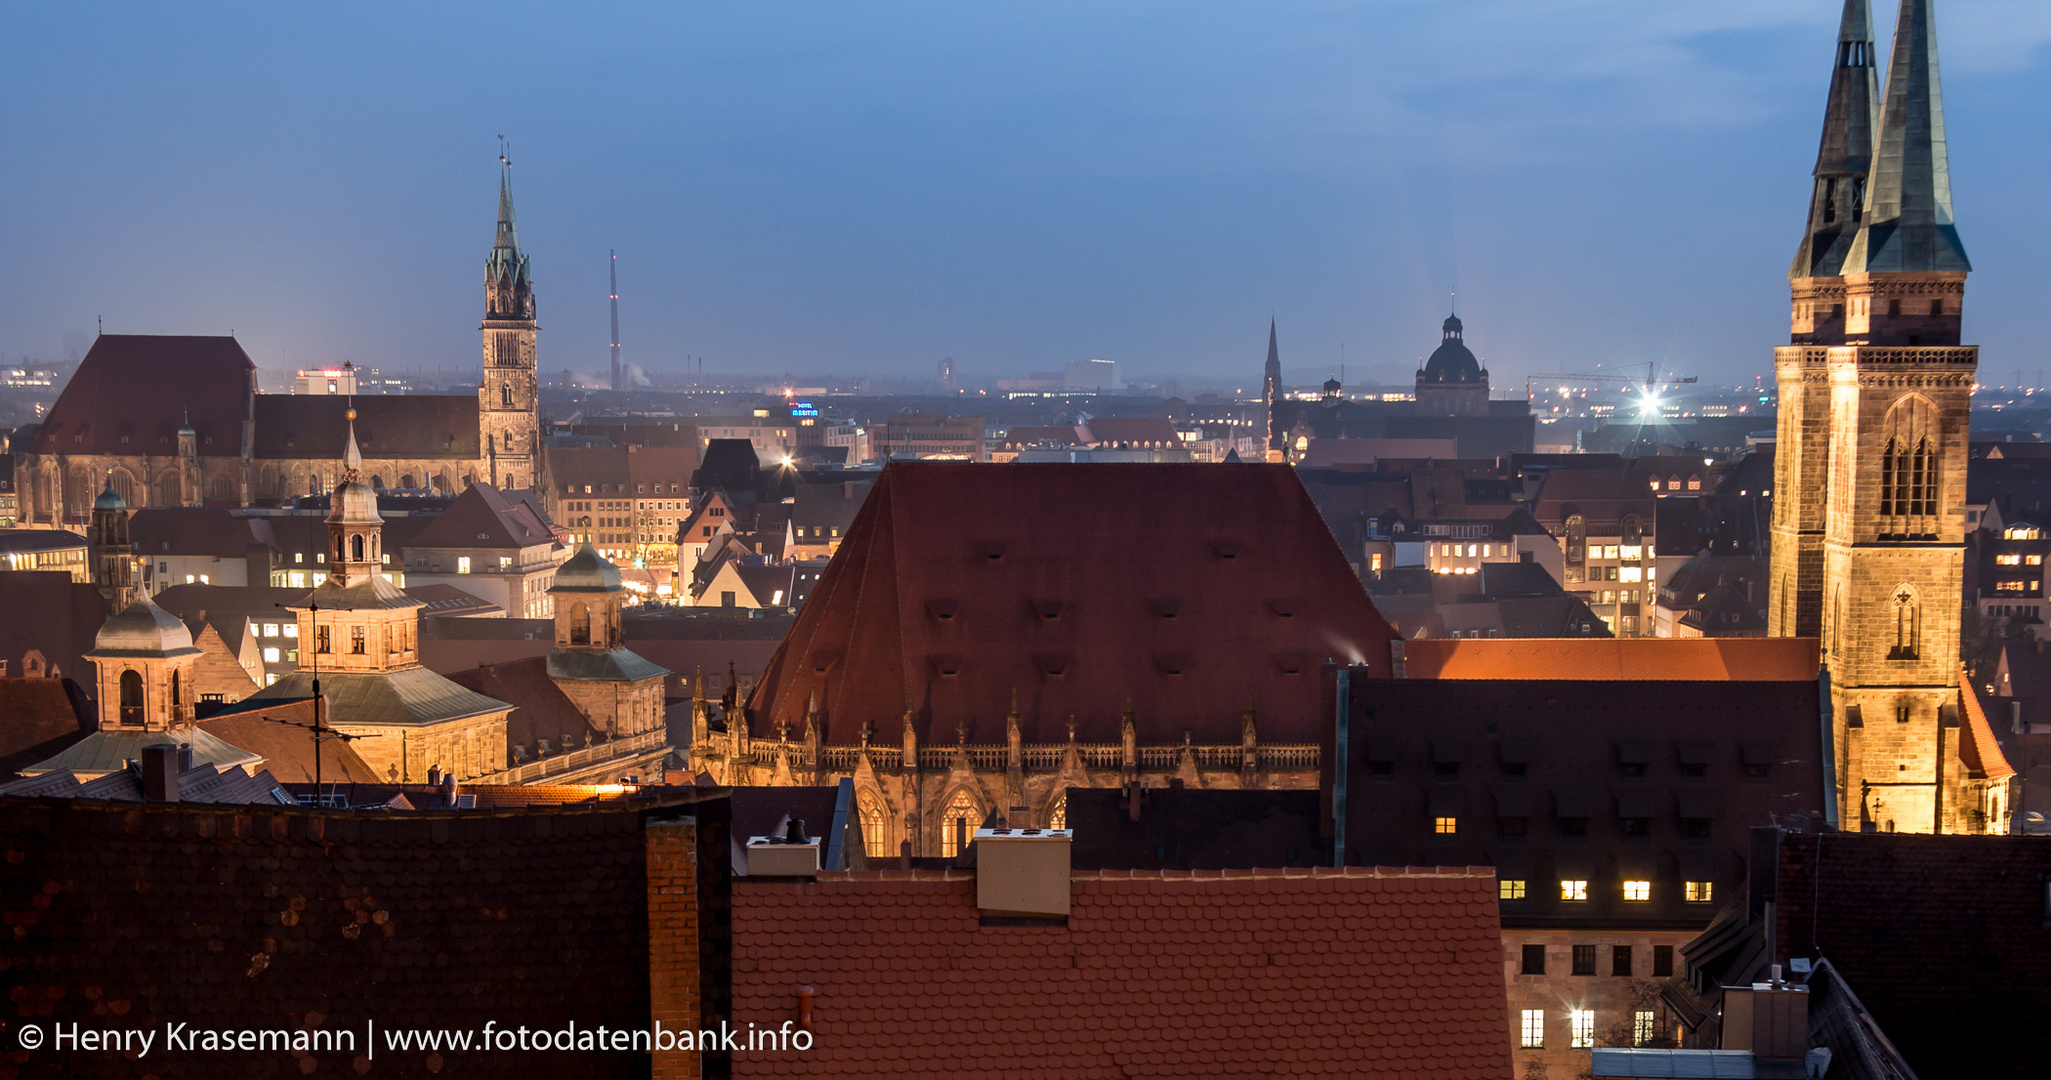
<point>144,387</point>
<point>1908,224</point>
<point>1078,587</point>
<point>40,718</point>
<point>483,518</point>
<point>281,732</point>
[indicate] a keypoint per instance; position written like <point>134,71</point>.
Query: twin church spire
<point>1881,200</point>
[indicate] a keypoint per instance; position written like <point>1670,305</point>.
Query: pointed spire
<point>1908,224</point>
<point>508,237</point>
<point>1274,354</point>
<point>1844,154</point>
<point>352,458</point>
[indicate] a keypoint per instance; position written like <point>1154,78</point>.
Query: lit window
<point>1698,892</point>
<point>1510,889</point>
<point>2033,560</point>
<point>2008,560</point>
<point>505,562</point>
<point>291,630</point>
<point>1631,551</point>
<point>1573,889</point>
<point>203,580</point>
<point>270,655</point>
<point>462,564</point>
<point>189,579</point>
<point>1637,890</point>
<point>269,679</point>
<point>1644,1028</point>
<point>1445,826</point>
<point>1584,1028</point>
<point>1533,1030</point>
<point>1631,573</point>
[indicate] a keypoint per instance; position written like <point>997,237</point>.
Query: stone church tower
<point>506,399</point>
<point>1875,392</point>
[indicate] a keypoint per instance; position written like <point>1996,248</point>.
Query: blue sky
<point>869,187</point>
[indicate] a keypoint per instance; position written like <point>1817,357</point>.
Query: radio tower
<point>616,384</point>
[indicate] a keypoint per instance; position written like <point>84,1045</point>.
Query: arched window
<point>875,826</point>
<point>356,547</point>
<point>131,698</point>
<point>377,483</point>
<point>1057,818</point>
<point>1908,468</point>
<point>1908,624</point>
<point>124,486</point>
<point>406,481</point>
<point>506,396</point>
<point>580,624</point>
<point>176,700</point>
<point>958,824</point>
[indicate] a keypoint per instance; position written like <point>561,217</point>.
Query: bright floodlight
<point>1649,404</point>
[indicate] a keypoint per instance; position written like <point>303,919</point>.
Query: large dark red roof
<point>1072,586</point>
<point>399,426</point>
<point>145,387</point>
<point>1374,972</point>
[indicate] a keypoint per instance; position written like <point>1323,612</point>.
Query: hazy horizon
<point>868,189</point>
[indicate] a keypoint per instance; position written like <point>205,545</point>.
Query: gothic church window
<point>957,824</point>
<point>875,827</point>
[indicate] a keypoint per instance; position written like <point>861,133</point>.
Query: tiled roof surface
<point>194,530</point>
<point>1074,586</point>
<point>1943,938</point>
<point>435,427</point>
<point>279,918</point>
<point>483,518</point>
<point>1670,659</point>
<point>68,617</point>
<point>1227,974</point>
<point>406,697</point>
<point>1977,745</point>
<point>287,750</point>
<point>40,718</point>
<point>540,708</point>
<point>1597,775</point>
<point>120,390</point>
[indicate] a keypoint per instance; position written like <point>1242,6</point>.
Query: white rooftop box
<point>1022,872</point>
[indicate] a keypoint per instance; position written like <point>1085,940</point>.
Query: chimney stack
<point>434,776</point>
<point>160,772</point>
<point>1023,873</point>
<point>448,786</point>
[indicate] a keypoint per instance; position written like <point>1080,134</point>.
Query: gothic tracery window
<point>957,824</point>
<point>1909,469</point>
<point>875,827</point>
<point>1907,624</point>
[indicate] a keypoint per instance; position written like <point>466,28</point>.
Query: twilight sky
<point>866,188</point>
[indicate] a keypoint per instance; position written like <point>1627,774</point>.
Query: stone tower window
<point>580,625</point>
<point>356,548</point>
<point>1907,624</point>
<point>131,698</point>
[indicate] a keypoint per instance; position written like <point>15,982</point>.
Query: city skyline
<point>870,193</point>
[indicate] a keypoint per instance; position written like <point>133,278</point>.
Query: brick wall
<point>674,1002</point>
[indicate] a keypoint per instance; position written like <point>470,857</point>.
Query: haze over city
<point>866,190</point>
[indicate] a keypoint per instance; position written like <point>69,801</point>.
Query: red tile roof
<point>1671,659</point>
<point>1072,586</point>
<point>1977,746</point>
<point>145,387</point>
<point>483,518</point>
<point>282,733</point>
<point>1369,972</point>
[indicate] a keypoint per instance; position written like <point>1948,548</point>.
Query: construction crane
<point>1649,388</point>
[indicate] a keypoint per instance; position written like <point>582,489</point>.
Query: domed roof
<point>108,500</point>
<point>354,503</point>
<point>587,571</point>
<point>1452,362</point>
<point>143,628</point>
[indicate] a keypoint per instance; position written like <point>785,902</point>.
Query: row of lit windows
<point>2018,560</point>
<point>1576,890</point>
<point>1581,1025</point>
<point>1472,551</point>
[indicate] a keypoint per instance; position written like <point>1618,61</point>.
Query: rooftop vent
<point>792,854</point>
<point>1023,873</point>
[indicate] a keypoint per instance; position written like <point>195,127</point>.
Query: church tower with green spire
<point>1876,396</point>
<point>507,396</point>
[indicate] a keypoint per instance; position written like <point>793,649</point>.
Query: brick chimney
<point>160,772</point>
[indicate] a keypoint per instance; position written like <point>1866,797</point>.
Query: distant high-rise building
<point>947,383</point>
<point>1271,392</point>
